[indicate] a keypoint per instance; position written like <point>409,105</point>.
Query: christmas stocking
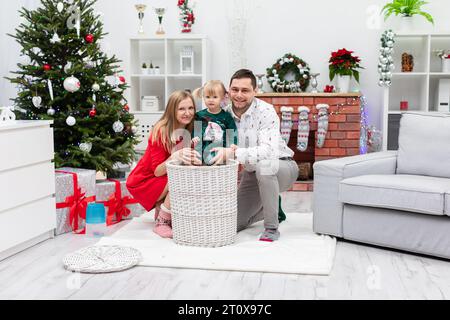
<point>303,128</point>
<point>322,127</point>
<point>286,123</point>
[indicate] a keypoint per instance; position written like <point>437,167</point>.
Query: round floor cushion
<point>102,259</point>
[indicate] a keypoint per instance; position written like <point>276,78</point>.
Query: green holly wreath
<point>289,63</point>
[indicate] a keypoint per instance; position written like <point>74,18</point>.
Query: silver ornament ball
<point>118,126</point>
<point>71,121</point>
<point>51,112</point>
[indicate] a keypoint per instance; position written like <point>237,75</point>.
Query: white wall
<point>309,29</point>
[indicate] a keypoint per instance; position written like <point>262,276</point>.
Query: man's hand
<point>187,156</point>
<point>223,155</point>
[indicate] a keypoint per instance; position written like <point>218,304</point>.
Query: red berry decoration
<point>92,113</point>
<point>47,67</point>
<point>126,108</point>
<point>89,38</point>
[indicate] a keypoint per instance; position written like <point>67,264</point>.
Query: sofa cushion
<point>424,145</point>
<point>413,193</point>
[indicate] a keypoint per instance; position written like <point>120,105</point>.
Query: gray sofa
<point>397,199</point>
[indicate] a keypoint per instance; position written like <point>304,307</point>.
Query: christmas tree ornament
<point>96,87</point>
<point>94,97</point>
<point>72,84</point>
<point>37,101</point>
<point>86,146</point>
<point>134,129</point>
<point>55,38</point>
<point>118,126</point>
<point>126,108</point>
<point>51,112</point>
<point>67,67</point>
<point>71,121</point>
<point>322,126</point>
<point>47,67</point>
<point>89,64</point>
<point>50,89</point>
<point>122,80</point>
<point>89,38</point>
<point>93,112</point>
<point>303,129</point>
<point>74,20</point>
<point>60,7</point>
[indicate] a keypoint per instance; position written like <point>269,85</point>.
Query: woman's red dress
<point>142,183</point>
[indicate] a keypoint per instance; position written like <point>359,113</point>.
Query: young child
<point>218,128</point>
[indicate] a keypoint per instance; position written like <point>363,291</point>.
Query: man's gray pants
<point>259,191</point>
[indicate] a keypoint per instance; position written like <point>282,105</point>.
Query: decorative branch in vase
<point>444,55</point>
<point>187,17</point>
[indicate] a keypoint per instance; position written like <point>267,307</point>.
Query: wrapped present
<point>75,188</point>
<point>117,200</point>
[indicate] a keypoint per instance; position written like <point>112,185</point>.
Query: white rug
<point>299,250</point>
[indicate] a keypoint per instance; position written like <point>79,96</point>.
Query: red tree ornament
<point>126,108</point>
<point>89,38</point>
<point>122,79</point>
<point>92,113</point>
<point>47,67</point>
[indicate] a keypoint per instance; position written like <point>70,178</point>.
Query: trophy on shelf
<point>260,82</point>
<point>141,8</point>
<point>314,82</point>
<point>160,13</point>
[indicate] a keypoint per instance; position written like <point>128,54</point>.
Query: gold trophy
<point>141,8</point>
<point>160,13</point>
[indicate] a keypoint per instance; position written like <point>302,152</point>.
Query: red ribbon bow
<point>77,204</point>
<point>117,205</point>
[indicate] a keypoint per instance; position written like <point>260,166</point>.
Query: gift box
<point>119,204</point>
<point>75,188</point>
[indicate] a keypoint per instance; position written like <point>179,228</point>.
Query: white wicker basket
<point>204,204</point>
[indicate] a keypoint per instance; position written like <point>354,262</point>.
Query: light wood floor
<point>360,272</point>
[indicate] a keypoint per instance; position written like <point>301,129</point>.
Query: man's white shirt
<point>259,135</point>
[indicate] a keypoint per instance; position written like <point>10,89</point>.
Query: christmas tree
<point>69,80</point>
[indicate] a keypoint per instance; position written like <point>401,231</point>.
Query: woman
<point>169,140</point>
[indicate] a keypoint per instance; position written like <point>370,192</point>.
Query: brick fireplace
<point>343,131</point>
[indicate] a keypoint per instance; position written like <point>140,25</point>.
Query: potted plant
<point>344,66</point>
<point>144,69</point>
<point>406,9</point>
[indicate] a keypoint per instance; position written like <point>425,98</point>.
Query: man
<point>268,163</point>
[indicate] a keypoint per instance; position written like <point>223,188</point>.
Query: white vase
<point>406,24</point>
<point>446,65</point>
<point>144,71</point>
<point>343,84</point>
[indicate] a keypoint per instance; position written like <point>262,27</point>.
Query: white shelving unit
<point>419,87</point>
<point>163,52</point>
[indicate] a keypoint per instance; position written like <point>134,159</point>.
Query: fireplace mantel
<point>344,127</point>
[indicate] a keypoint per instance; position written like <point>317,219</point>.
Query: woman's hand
<point>187,156</point>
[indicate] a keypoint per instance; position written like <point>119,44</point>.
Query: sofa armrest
<point>328,174</point>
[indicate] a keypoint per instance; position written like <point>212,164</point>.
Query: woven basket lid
<point>102,259</point>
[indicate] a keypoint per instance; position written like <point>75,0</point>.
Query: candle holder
<point>260,82</point>
<point>314,82</point>
<point>160,13</point>
<point>141,8</point>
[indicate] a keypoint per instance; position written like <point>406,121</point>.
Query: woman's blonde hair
<point>212,87</point>
<point>165,127</point>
